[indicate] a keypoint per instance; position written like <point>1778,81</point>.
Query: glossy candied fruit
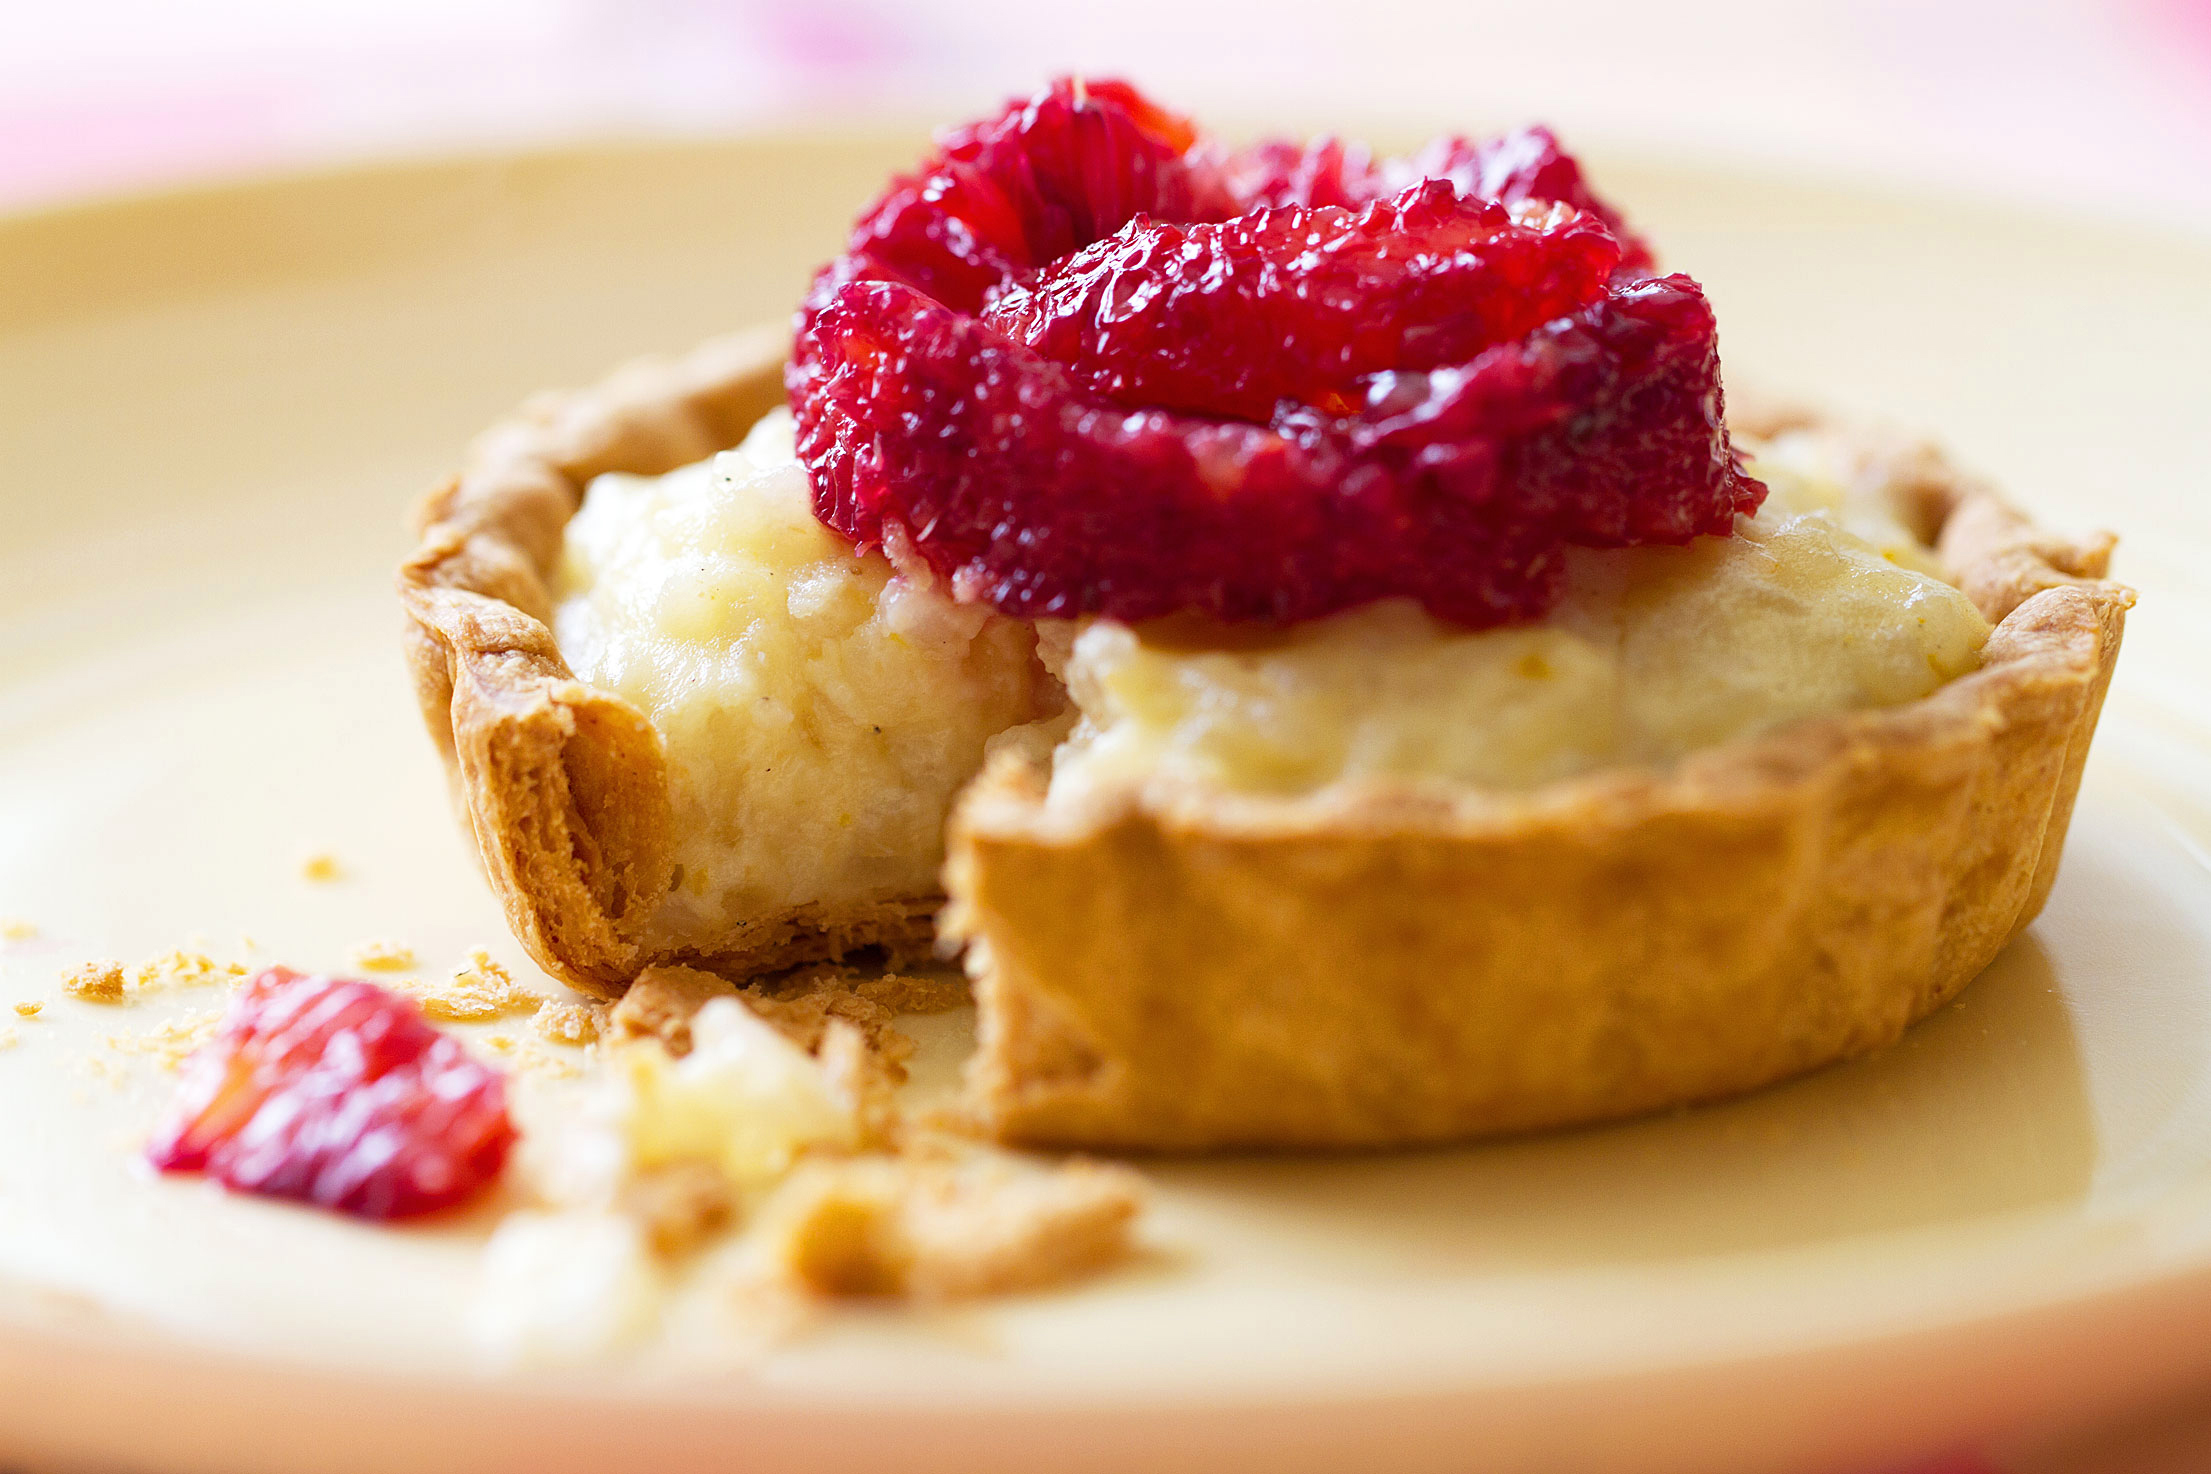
<point>337,1093</point>
<point>1312,396</point>
<point>1044,177</point>
<point>1525,164</point>
<point>1304,303</point>
<point>1456,486</point>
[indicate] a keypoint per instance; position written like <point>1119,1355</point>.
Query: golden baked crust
<point>929,1227</point>
<point>564,786</point>
<point>1385,964</point>
<point>1388,964</point>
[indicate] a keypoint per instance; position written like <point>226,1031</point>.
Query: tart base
<point>1392,964</point>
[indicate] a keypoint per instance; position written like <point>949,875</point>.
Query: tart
<point>1377,931</point>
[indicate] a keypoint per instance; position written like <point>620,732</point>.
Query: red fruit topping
<point>1282,171</point>
<point>1045,177</point>
<point>340,1094</point>
<point>1301,304</point>
<point>1457,486</point>
<point>1144,408</point>
<point>1526,164</point>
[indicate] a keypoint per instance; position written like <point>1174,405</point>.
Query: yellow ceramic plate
<point>213,407</point>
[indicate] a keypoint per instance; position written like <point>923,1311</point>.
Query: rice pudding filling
<point>818,711</point>
<point>1820,603</point>
<point>821,710</point>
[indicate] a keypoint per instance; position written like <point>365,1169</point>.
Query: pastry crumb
<point>902,992</point>
<point>570,1023</point>
<point>660,1003</point>
<point>30,1010</point>
<point>479,991</point>
<point>320,867</point>
<point>526,1056</point>
<point>10,1036</point>
<point>108,982</point>
<point>15,929</point>
<point>172,1043</point>
<point>800,1004</point>
<point>958,1117</point>
<point>864,1079</point>
<point>946,1228</point>
<point>95,982</point>
<point>680,1205</point>
<point>550,1065</point>
<point>773,1129</point>
<point>178,968</point>
<point>536,1060</point>
<point>383,957</point>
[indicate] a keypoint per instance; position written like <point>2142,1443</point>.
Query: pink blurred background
<point>2071,105</point>
<point>2074,103</point>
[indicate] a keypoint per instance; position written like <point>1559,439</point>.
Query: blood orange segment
<point>1301,304</point>
<point>1046,176</point>
<point>1088,363</point>
<point>1525,164</point>
<point>337,1093</point>
<point>1458,487</point>
<point>1281,171</point>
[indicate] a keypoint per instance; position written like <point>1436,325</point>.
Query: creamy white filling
<point>819,711</point>
<point>1821,603</point>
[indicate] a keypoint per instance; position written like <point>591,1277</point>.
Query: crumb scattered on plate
<point>383,957</point>
<point>15,929</point>
<point>752,1163</point>
<point>947,1228</point>
<point>479,991</point>
<point>109,982</point>
<point>29,1010</point>
<point>95,982</point>
<point>570,1023</point>
<point>171,1043</point>
<point>178,968</point>
<point>320,867</point>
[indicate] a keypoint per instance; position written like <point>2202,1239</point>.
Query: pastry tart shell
<point>564,786</point>
<point>1370,965</point>
<point>1391,964</point>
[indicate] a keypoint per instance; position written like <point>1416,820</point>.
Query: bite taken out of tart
<point>1303,625</point>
